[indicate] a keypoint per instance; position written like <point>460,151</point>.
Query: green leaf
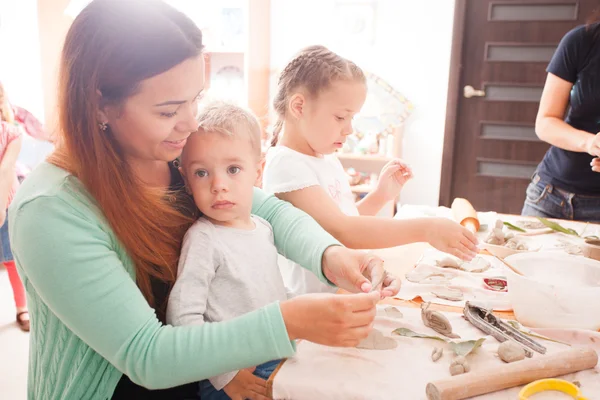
<point>465,348</point>
<point>519,327</point>
<point>557,227</point>
<point>514,227</point>
<point>592,237</point>
<point>408,333</point>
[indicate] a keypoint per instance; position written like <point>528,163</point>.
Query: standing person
<point>566,184</point>
<point>10,146</point>
<point>108,213</point>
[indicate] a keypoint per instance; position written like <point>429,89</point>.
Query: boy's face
<point>221,173</point>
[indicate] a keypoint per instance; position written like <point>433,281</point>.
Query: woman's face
<point>154,123</point>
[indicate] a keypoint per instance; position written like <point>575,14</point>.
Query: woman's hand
<point>452,238</point>
<point>592,145</point>
<point>340,320</point>
<point>246,386</point>
<point>351,269</point>
<point>595,164</point>
<point>392,178</point>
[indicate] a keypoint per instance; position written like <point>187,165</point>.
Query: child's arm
<point>391,181</point>
<point>7,167</point>
<point>366,232</point>
<point>189,296</point>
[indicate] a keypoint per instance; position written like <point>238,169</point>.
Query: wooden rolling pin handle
<point>506,376</point>
<point>471,224</point>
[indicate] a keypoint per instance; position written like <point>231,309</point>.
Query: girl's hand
<point>452,238</point>
<point>595,164</point>
<point>351,270</point>
<point>246,386</point>
<point>592,145</point>
<point>392,178</point>
<point>340,320</point>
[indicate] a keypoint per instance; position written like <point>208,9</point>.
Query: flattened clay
<point>459,365</point>
<point>377,341</point>
<point>449,294</point>
<point>393,312</point>
<point>477,265</point>
<point>448,262</point>
<point>424,273</point>
<point>509,352</point>
<point>436,321</point>
<point>437,353</point>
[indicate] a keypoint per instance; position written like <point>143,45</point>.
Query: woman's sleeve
<point>298,237</point>
<point>68,259</point>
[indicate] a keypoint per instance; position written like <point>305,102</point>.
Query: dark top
<point>577,60</point>
<point>126,389</point>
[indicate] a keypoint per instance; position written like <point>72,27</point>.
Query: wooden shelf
<point>364,157</point>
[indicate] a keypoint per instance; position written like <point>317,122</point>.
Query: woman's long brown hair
<point>111,47</point>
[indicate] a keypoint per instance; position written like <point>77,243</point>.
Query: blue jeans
<point>5,251</point>
<point>548,201</point>
<point>209,392</point>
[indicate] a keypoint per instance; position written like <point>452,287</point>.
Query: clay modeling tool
<point>488,323</point>
<point>465,214</point>
<point>499,377</point>
<point>545,385</point>
<point>503,261</point>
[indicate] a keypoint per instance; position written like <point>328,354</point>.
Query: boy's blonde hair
<point>232,121</point>
<point>314,68</point>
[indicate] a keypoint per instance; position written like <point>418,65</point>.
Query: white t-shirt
<point>287,170</point>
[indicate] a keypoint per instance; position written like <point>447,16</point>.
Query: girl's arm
<point>550,126</point>
<point>366,232</point>
<point>7,168</point>
<point>297,236</point>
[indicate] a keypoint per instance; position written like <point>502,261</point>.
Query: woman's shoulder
<point>49,183</point>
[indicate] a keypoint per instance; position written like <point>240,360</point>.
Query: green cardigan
<point>91,324</point>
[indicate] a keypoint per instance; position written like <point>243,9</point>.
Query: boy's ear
<point>259,172</point>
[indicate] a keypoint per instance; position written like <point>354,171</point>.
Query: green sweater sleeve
<point>298,237</point>
<point>75,266</point>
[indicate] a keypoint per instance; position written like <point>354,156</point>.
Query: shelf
<point>364,157</point>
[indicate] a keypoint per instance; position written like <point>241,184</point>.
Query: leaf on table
<point>519,327</point>
<point>514,227</point>
<point>408,333</point>
<point>557,227</point>
<point>467,347</point>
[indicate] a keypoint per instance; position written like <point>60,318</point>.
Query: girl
<point>318,94</point>
<point>10,146</point>
<point>107,215</point>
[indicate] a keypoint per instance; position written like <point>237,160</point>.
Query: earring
<point>103,126</point>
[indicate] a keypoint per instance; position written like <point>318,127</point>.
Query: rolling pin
<point>506,376</point>
<point>465,214</point>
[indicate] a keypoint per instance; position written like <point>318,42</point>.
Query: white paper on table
<point>321,372</point>
<point>470,283</point>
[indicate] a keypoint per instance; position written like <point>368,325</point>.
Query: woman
<point>566,184</point>
<point>107,229</point>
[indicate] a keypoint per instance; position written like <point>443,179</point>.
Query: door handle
<point>469,91</point>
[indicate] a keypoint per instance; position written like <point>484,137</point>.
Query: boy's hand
<point>246,386</point>
<point>392,178</point>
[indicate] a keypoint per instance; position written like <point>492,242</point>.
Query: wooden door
<point>500,52</point>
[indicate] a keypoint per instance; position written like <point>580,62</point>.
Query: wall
<point>53,26</point>
<point>20,70</point>
<point>410,50</point>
